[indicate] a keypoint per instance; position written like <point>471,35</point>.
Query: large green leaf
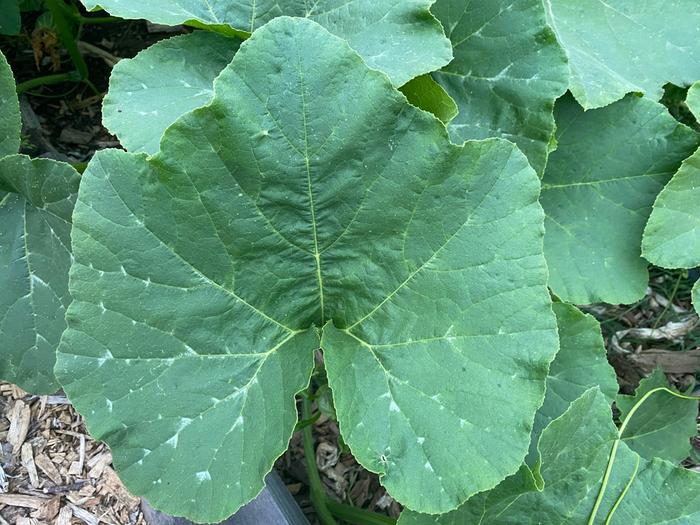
<point>151,91</point>
<point>575,449</point>
<point>35,257</point>
<point>308,195</point>
<point>597,193</point>
<point>10,19</point>
<point>399,37</point>
<point>663,425</point>
<point>622,46</point>
<point>10,121</point>
<point>507,72</point>
<point>580,364</point>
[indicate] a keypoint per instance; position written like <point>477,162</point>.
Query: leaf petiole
<point>318,497</point>
<point>613,453</point>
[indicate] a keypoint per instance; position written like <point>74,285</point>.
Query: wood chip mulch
<point>51,471</point>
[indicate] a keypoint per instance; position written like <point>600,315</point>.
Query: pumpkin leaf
<point>152,90</point>
<point>615,48</point>
<point>399,37</point>
<point>507,72</point>
<point>10,121</point>
<point>597,193</point>
<point>303,200</point>
<point>663,425</point>
<point>672,234</point>
<point>35,255</point>
<point>575,449</point>
<point>580,364</point>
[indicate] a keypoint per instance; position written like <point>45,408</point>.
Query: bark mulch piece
<point>51,471</point>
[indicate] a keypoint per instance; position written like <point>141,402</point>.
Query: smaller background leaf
<point>35,258</point>
<point>580,364</point>
<point>597,193</point>
<point>426,94</point>
<point>627,46</point>
<point>152,90</point>
<point>10,120</point>
<point>663,425</point>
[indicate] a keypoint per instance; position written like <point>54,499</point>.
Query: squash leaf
<point>35,256</point>
<point>625,46</point>
<point>152,90</point>
<point>399,37</point>
<point>597,193</point>
<point>10,120</point>
<point>663,425</point>
<point>672,235</point>
<point>580,364</point>
<point>575,449</point>
<point>507,72</point>
<point>308,198</point>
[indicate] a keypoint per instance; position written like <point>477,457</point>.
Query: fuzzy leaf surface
<point>399,37</point>
<point>35,257</point>
<point>575,450</point>
<point>597,193</point>
<point>507,72</point>
<point>151,91</point>
<point>663,426</point>
<point>10,120</point>
<point>623,46</point>
<point>308,195</point>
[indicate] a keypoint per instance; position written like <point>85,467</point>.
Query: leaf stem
<point>624,493</point>
<point>615,446</point>
<point>358,516</point>
<point>58,11</point>
<point>87,20</point>
<point>670,301</point>
<point>59,78</point>
<point>318,497</point>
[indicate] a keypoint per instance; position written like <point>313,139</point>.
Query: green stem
<point>87,20</point>
<point>59,78</point>
<point>670,301</point>
<point>58,12</point>
<point>623,494</point>
<point>358,516</point>
<point>616,444</point>
<point>318,497</point>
